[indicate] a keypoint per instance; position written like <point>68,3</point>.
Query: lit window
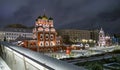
<point>41,36</point>
<point>47,36</point>
<point>47,44</point>
<point>41,44</point>
<point>51,37</point>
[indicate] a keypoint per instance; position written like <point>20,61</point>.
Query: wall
<point>17,61</point>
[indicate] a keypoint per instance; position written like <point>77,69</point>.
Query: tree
<point>94,66</point>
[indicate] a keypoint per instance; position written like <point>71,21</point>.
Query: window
<point>41,43</point>
<point>47,44</point>
<point>47,36</point>
<point>51,37</point>
<point>41,36</point>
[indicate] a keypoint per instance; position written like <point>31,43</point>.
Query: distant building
<point>14,33</point>
<point>103,40</point>
<point>94,34</point>
<point>75,35</point>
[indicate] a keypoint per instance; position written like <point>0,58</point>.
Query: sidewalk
<point>3,65</point>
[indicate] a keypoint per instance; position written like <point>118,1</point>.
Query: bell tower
<point>45,32</point>
<point>101,41</point>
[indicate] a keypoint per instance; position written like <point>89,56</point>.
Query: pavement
<point>3,65</point>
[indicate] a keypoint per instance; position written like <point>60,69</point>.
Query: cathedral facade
<point>103,40</point>
<point>45,34</point>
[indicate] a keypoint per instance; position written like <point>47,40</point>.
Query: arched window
<point>51,36</point>
<point>47,36</point>
<point>52,44</point>
<point>47,43</point>
<point>41,36</point>
<point>41,44</point>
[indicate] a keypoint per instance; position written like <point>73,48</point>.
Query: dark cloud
<point>80,14</point>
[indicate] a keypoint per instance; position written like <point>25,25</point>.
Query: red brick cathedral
<point>45,34</point>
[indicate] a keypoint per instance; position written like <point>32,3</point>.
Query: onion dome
<point>50,18</point>
<point>39,17</point>
<point>44,17</point>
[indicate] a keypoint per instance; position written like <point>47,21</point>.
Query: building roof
<point>43,59</point>
<point>21,38</point>
<point>39,17</point>
<point>16,30</point>
<point>44,17</point>
<point>50,18</point>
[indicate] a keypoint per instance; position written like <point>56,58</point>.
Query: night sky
<point>67,14</point>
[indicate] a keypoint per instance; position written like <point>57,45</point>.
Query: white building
<point>101,41</point>
<point>14,33</point>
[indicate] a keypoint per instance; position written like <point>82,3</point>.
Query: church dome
<point>39,17</point>
<point>50,18</point>
<point>44,17</point>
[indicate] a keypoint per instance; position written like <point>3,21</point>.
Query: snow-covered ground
<point>88,52</point>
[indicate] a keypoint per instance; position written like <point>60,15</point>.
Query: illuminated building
<point>11,34</point>
<point>44,31</point>
<point>103,40</point>
<point>45,37</point>
<point>75,35</point>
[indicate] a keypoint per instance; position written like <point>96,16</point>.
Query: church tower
<point>44,32</point>
<point>101,41</point>
<point>45,35</point>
